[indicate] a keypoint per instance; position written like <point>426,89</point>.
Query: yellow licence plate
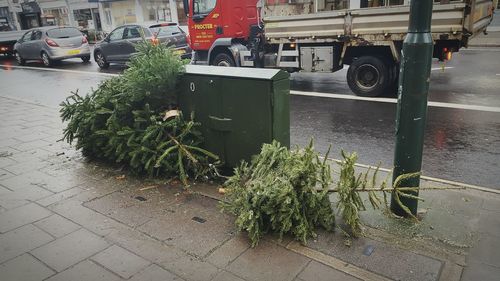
<point>180,52</point>
<point>73,52</point>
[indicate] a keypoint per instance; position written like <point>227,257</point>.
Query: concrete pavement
<point>64,218</point>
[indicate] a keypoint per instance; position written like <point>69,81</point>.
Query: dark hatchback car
<point>118,46</point>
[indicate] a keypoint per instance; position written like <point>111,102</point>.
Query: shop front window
<point>380,3</point>
<point>83,17</point>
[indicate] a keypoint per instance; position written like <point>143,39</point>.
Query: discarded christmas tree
<point>132,119</point>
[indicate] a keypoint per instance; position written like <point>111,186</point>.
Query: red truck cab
<point>217,26</point>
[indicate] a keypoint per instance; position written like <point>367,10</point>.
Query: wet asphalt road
<point>460,144</point>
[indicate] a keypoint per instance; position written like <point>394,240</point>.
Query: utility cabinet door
<point>247,106</point>
<point>201,96</point>
<point>281,111</point>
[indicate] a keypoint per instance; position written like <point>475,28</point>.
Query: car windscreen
<point>65,32</point>
<point>165,30</point>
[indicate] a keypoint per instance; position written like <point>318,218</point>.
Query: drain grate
<point>198,219</point>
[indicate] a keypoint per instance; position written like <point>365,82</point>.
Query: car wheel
<point>368,76</point>
<point>101,60</point>
<point>223,59</point>
<point>86,59</point>
<point>46,59</point>
<point>20,59</point>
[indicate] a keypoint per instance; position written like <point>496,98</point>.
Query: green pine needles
<point>288,192</point>
<point>124,120</point>
<point>281,191</point>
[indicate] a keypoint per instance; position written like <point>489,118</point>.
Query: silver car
<point>52,44</point>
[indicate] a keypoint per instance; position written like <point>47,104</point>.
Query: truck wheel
<point>20,59</point>
<point>223,59</point>
<point>392,88</point>
<point>368,76</point>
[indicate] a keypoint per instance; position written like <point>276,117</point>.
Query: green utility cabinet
<point>239,108</point>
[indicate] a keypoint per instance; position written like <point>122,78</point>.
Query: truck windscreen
<point>203,7</point>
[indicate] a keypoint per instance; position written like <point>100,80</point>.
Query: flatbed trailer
<point>323,36</point>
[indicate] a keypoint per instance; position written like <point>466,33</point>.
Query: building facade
<point>78,13</point>
<point>116,13</point>
<point>8,15</point>
<point>100,15</point>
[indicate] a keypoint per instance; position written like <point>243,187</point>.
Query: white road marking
<point>59,70</point>
<point>481,49</point>
<point>440,68</point>
<point>498,74</point>
<point>389,100</point>
<point>299,93</point>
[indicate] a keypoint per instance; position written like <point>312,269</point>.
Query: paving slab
<point>40,179</point>
<point>190,268</point>
<point>229,251</point>
<point>268,262</point>
<point>24,268</point>
<point>20,216</point>
<point>26,168</point>
<point>316,271</point>
<point>49,200</point>
<point>489,223</point>
<point>134,207</point>
<point>71,249</point>
<point>21,240</point>
<point>22,196</point>
<point>57,226</point>
<point>7,141</point>
<point>168,257</point>
<point>486,251</point>
<point>5,161</point>
<point>91,220</point>
<point>5,174</point>
<point>34,144</point>
<point>28,136</point>
<point>195,225</point>
<point>121,261</point>
<point>85,271</point>
<point>227,276</point>
<point>29,155</point>
<point>382,258</point>
<point>491,204</point>
<point>481,272</point>
<point>155,273</point>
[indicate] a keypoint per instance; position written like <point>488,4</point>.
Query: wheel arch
<point>228,46</point>
<point>389,51</point>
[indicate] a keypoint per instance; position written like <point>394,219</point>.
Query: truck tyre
<point>368,76</point>
<point>20,59</point>
<point>392,89</point>
<point>223,59</point>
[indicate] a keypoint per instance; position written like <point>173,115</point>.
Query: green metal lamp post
<point>413,88</point>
